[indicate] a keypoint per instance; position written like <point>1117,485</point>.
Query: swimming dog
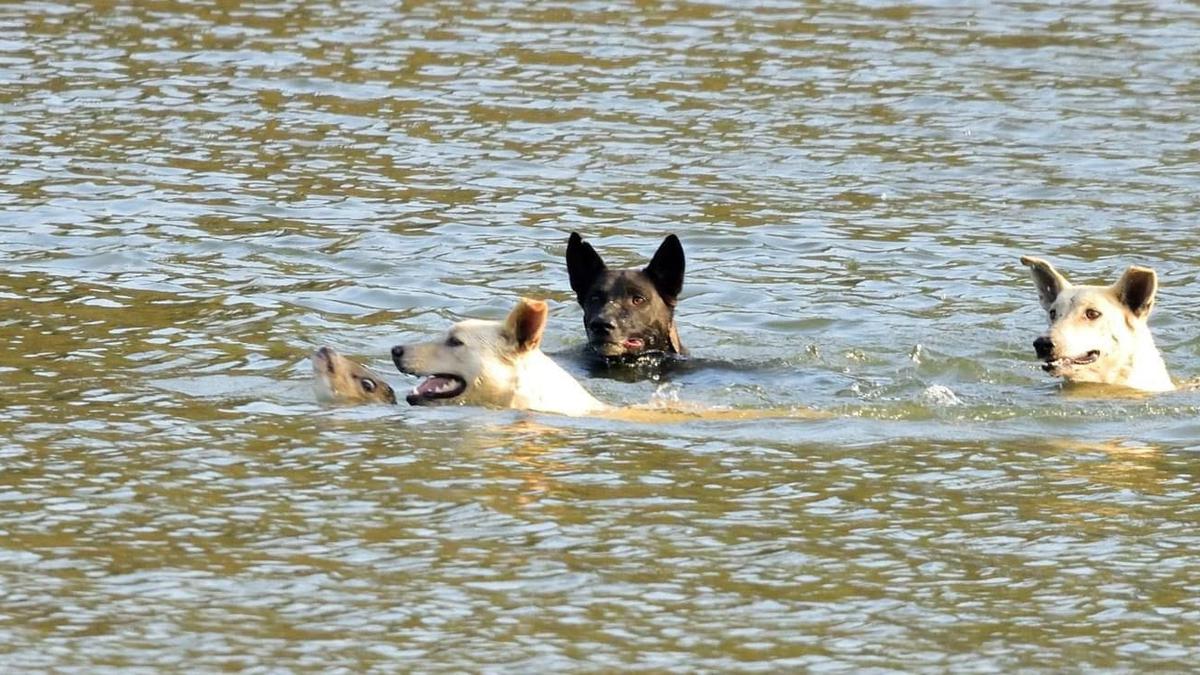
<point>337,379</point>
<point>1100,333</point>
<point>628,314</point>
<point>501,364</point>
<point>495,363</point>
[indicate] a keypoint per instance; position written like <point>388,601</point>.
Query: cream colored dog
<point>496,364</point>
<point>500,364</point>
<point>1099,333</point>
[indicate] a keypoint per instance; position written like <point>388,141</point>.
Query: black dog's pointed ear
<point>583,265</point>
<point>666,269</point>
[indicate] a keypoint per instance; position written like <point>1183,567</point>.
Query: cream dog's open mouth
<point>1059,363</point>
<point>436,387</point>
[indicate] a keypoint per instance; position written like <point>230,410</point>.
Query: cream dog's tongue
<point>433,385</point>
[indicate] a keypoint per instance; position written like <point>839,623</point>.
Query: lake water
<point>195,195</point>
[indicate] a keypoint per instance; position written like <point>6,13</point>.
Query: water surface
<point>195,195</point>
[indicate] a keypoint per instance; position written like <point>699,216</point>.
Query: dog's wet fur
<point>1099,334</point>
<point>629,314</point>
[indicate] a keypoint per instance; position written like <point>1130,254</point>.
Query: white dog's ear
<point>1049,282</point>
<point>526,322</point>
<point>1136,289</point>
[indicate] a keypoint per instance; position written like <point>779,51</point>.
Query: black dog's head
<point>628,313</point>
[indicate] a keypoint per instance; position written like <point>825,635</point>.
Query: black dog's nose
<point>397,353</point>
<point>601,326</point>
<point>1044,347</point>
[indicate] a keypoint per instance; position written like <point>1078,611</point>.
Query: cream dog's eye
<point>1053,314</point>
<point>368,384</point>
<point>453,342</point>
<point>1092,314</point>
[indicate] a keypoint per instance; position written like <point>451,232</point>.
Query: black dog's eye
<point>368,384</point>
<point>638,299</point>
<point>1092,314</point>
<point>453,342</point>
<point>1053,314</point>
<point>596,297</point>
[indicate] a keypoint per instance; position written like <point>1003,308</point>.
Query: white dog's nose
<point>1044,347</point>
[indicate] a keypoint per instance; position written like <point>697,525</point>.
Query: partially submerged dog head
<point>1095,331</point>
<point>628,313</point>
<point>337,379</point>
<point>474,361</point>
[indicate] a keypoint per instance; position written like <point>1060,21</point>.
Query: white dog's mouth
<point>1066,362</point>
<point>436,387</point>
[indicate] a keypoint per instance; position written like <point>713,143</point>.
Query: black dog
<point>629,314</point>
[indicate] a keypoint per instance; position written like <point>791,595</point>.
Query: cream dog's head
<point>1097,333</point>
<point>475,361</point>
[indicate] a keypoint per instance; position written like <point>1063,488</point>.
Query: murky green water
<point>194,195</point>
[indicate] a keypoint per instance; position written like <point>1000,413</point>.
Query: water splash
<point>939,395</point>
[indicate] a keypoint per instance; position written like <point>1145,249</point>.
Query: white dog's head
<point>474,362</point>
<point>1095,331</point>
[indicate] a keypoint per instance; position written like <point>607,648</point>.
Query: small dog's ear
<point>1136,289</point>
<point>526,322</point>
<point>1049,282</point>
<point>666,269</point>
<point>583,265</point>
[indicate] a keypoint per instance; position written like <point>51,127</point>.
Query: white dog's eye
<point>1053,314</point>
<point>453,342</point>
<point>368,384</point>
<point>1092,314</point>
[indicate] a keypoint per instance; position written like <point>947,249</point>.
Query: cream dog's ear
<point>1049,282</point>
<point>525,324</point>
<point>1136,289</point>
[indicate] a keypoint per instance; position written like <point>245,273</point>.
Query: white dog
<point>1099,333</point>
<point>496,364</point>
<point>500,364</point>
